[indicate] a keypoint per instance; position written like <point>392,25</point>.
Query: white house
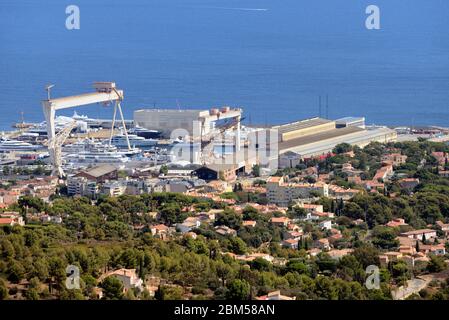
<point>188,224</point>
<point>128,277</point>
<point>418,234</point>
<point>327,224</point>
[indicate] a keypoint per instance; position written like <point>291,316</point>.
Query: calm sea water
<point>273,62</point>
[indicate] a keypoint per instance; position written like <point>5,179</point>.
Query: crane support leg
<point>124,125</point>
<point>113,122</point>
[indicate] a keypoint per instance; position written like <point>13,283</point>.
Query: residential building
<point>409,183</point>
<point>282,192</point>
<point>327,224</point>
<point>419,234</point>
<point>322,244</point>
<point>249,223</point>
<point>113,189</point>
<point>225,231</point>
<point>128,277</point>
<point>225,172</point>
<point>188,224</point>
<point>290,244</point>
<point>396,223</point>
<point>440,156</point>
<point>384,173</point>
<point>159,230</point>
<point>280,221</point>
<point>394,159</point>
<point>338,192</point>
<point>11,219</point>
<point>443,226</point>
<point>275,295</point>
<point>295,235</point>
<point>436,249</point>
<point>337,254</point>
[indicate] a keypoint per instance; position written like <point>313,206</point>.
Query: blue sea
<point>274,58</point>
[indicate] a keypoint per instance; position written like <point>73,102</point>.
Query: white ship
<point>91,151</point>
<point>145,133</point>
<point>16,145</point>
<point>134,140</point>
<point>95,157</point>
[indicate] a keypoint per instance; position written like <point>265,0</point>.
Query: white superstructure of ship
<point>7,145</point>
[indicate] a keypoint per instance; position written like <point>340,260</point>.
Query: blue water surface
<point>272,57</point>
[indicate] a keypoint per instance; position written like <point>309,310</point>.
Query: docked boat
<point>134,140</point>
<point>7,145</point>
<point>92,151</point>
<point>87,157</point>
<point>145,133</point>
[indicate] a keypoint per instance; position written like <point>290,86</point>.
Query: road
<point>413,286</point>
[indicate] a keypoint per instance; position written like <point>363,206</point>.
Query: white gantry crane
<point>56,143</point>
<point>105,92</point>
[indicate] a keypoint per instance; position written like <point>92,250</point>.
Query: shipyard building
<point>168,120</point>
<point>191,122</point>
<point>316,137</point>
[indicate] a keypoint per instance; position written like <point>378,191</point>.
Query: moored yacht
<point>7,145</point>
<point>134,141</point>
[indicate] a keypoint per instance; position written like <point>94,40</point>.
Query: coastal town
<point>196,204</point>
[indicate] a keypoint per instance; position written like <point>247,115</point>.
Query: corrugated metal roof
<point>303,124</point>
<point>317,137</point>
<point>100,170</point>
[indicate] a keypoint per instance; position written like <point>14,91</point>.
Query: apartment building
<point>281,192</point>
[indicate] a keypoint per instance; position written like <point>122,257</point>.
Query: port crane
<point>56,143</point>
<point>105,92</point>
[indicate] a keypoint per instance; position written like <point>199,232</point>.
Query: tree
<point>238,290</point>
<point>3,290</point>
<point>31,202</point>
<point>112,288</point>
<point>260,264</point>
<point>384,237</point>
<point>237,245</point>
<point>342,148</point>
<point>367,255</point>
<point>6,170</point>
<point>400,272</point>
<point>16,272</point>
<point>223,272</point>
<point>297,266</point>
<point>163,170</point>
<point>436,264</point>
<point>228,218</point>
<point>171,213</point>
<point>168,293</point>
<point>256,170</point>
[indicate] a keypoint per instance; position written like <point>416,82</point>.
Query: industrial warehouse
<point>315,137</point>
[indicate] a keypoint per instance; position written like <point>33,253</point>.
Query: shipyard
<point>261,195</point>
<point>176,140</point>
